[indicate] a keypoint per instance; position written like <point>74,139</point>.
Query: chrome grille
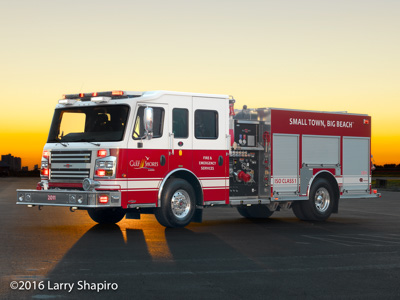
<point>70,165</point>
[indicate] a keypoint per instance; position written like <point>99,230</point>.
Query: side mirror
<point>148,122</point>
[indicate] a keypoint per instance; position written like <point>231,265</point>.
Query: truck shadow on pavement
<point>135,259</point>
<point>214,259</point>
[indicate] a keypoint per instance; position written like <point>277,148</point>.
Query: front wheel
<point>106,215</point>
<point>320,204</point>
<point>178,204</point>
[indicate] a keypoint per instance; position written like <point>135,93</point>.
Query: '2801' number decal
<point>51,197</point>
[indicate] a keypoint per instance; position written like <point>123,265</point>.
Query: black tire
<point>178,204</point>
<point>243,211</point>
<point>321,202</point>
<point>298,211</point>
<point>106,215</point>
<point>254,211</point>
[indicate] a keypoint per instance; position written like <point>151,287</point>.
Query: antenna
<point>80,90</point>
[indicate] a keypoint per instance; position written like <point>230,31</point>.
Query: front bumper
<point>68,198</point>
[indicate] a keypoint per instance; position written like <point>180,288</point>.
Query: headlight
<point>101,164</point>
<point>105,167</point>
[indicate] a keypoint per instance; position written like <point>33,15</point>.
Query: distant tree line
<point>387,169</point>
<point>22,173</point>
<point>388,166</point>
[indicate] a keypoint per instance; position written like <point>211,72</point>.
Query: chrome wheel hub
<point>180,204</point>
<point>322,200</point>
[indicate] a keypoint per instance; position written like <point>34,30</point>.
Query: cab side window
<point>158,123</point>
<point>206,124</point>
<point>180,122</point>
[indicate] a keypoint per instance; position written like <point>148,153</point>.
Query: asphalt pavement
<point>56,254</point>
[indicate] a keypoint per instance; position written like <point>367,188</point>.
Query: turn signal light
<point>44,172</point>
<point>100,173</point>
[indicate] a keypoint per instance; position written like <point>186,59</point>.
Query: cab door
<point>147,159</point>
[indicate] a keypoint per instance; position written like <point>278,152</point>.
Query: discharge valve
<point>242,176</point>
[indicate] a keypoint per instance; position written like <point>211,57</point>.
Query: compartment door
<point>356,163</point>
<point>285,160</point>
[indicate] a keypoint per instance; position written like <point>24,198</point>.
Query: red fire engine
<point>172,154</point>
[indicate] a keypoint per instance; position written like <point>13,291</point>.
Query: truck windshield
<point>89,124</point>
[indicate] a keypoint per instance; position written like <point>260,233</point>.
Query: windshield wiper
<point>93,143</point>
<point>59,140</point>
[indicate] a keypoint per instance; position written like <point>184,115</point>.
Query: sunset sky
<point>316,54</point>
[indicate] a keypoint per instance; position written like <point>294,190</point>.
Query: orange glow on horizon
<point>29,146</point>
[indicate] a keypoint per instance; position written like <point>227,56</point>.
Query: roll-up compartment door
<point>356,163</point>
<point>285,163</point>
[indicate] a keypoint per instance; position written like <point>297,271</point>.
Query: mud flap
<point>336,207</point>
<point>132,215</point>
<point>198,215</point>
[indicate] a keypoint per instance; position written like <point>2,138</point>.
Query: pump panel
<point>244,171</point>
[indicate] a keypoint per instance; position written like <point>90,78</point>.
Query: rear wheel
<point>320,204</point>
<point>298,211</point>
<point>243,211</point>
<point>178,204</point>
<point>254,211</point>
<point>106,215</point>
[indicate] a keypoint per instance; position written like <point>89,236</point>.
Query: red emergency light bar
<point>88,96</point>
<point>117,94</point>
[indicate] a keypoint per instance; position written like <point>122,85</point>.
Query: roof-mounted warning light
<point>66,101</point>
<point>100,99</point>
<point>106,96</point>
<point>231,106</point>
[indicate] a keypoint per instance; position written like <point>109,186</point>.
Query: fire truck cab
<point>172,154</point>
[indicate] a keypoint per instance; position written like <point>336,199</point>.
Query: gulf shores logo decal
<point>144,163</point>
